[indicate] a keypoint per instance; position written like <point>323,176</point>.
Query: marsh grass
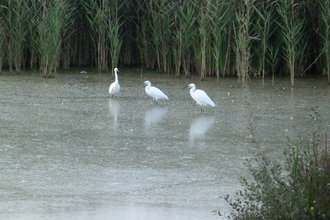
<point>296,189</point>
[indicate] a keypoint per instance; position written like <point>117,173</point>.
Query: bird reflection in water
<point>199,127</point>
<point>154,116</point>
<point>114,109</point>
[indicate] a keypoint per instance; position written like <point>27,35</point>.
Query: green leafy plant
<point>298,189</point>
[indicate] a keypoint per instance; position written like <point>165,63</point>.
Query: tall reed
<point>16,30</point>
<point>221,15</point>
<point>147,54</point>
<point>53,18</point>
<point>325,35</point>
<point>264,15</point>
<point>128,51</point>
<point>114,36</point>
<point>161,15</point>
<point>183,32</point>
<point>67,35</point>
<point>106,22</point>
<point>203,20</point>
<point>96,12</point>
<point>272,59</point>
<point>2,39</point>
<point>242,44</point>
<point>83,45</point>
<point>292,32</point>
<point>207,37</point>
<point>32,18</point>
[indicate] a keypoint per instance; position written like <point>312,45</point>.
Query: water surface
<point>70,152</point>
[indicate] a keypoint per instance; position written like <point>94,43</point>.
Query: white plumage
<point>154,92</point>
<point>200,97</point>
<point>114,87</point>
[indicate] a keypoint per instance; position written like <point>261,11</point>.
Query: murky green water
<point>70,152</point>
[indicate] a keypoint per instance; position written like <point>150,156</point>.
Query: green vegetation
<point>297,189</point>
<point>325,35</point>
<point>206,37</point>
<point>52,20</point>
<point>292,34</point>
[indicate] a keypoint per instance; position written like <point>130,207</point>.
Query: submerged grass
<point>297,189</point>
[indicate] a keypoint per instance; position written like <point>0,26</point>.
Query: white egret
<point>154,92</point>
<point>200,96</point>
<point>114,87</point>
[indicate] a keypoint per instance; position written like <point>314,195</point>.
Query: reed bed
<point>250,38</point>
